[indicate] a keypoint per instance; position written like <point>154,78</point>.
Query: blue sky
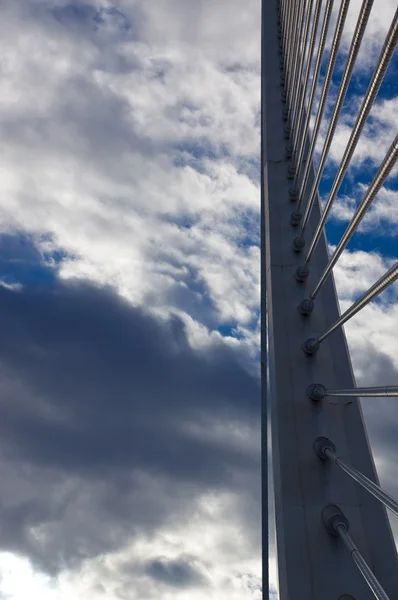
<point>130,293</point>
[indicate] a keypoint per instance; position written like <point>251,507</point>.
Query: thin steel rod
<point>289,45</point>
<point>290,42</point>
<point>298,4</point>
<point>386,280</point>
<point>317,392</point>
<point>311,345</point>
<point>374,489</point>
<point>285,21</point>
<point>298,43</point>
<point>284,15</point>
<point>360,562</point>
<point>322,102</point>
<point>311,48</point>
<point>380,177</point>
<point>282,9</point>
<point>297,93</point>
<point>341,94</point>
<point>376,392</point>
<point>286,25</point>
<point>289,9</point>
<point>372,91</point>
<point>298,163</point>
<point>264,332</point>
<point>281,17</point>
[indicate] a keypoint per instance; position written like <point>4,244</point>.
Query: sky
<point>129,293</point>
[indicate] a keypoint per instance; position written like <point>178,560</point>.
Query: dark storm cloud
<point>178,573</point>
<point>381,415</point>
<point>96,393</point>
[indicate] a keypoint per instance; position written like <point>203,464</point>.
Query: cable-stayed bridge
<point>333,536</point>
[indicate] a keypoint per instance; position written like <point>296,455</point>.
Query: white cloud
<point>378,25</point>
<point>356,271</point>
<point>103,149</point>
<point>380,219</point>
<point>374,142</point>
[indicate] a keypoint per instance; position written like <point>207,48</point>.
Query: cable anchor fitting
<point>321,444</point>
<point>310,346</point>
<point>306,307</point>
<point>333,518</point>
<point>293,194</point>
<point>316,392</point>
<point>302,273</point>
<point>298,242</point>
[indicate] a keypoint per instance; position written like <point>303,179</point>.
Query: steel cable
<point>341,94</point>
<point>298,163</point>
<point>380,177</point>
<point>311,48</point>
<point>372,91</point>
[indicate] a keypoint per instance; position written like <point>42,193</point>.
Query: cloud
<point>375,33</point>
<point>356,271</point>
<point>106,412</point>
<point>381,218</point>
<point>176,573</point>
<point>130,143</point>
<point>374,142</point>
<point>378,132</point>
<point>122,157</point>
<point>129,429</point>
<point>371,335</point>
